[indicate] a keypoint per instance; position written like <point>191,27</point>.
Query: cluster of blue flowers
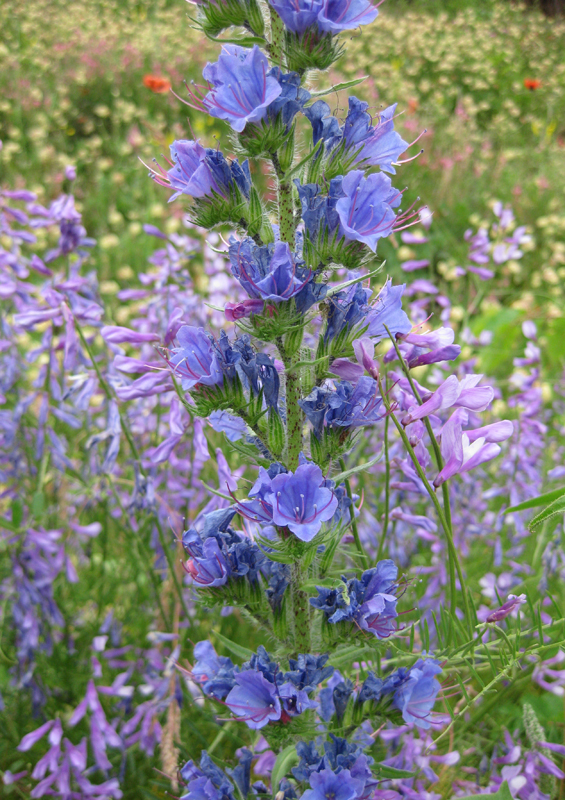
<point>369,602</point>
<point>259,692</point>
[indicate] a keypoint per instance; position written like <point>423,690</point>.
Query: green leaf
<point>303,161</point>
<point>557,507</point>
<point>502,794</point>
<point>236,649</point>
<point>348,472</point>
<point>285,760</point>
<point>392,773</point>
<point>540,500</point>
<point>339,86</point>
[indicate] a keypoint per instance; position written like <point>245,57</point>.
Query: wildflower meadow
<point>282,400</point>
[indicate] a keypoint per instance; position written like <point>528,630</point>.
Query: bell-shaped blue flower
<point>242,87</point>
<point>386,312</point>
<point>345,15</point>
<point>374,146</point>
<point>209,569</point>
<point>254,699</point>
<point>416,696</point>
<point>298,15</point>
<point>353,406</point>
<point>366,209</point>
<point>195,360</point>
<point>327,785</point>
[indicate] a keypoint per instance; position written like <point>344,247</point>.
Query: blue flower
<point>347,407</point>
<point>206,782</point>
<point>291,99</point>
<point>416,696</point>
<point>346,309</point>
<point>298,15</point>
<point>387,311</point>
<point>327,785</point>
<point>233,427</point>
<point>372,689</point>
<point>319,211</point>
<point>366,209</point>
<point>242,86</point>
<point>254,699</point>
<point>216,674</point>
<point>307,671</point>
<point>200,172</point>
<point>209,569</point>
<point>340,695</point>
<point>354,406</point>
<point>195,360</point>
<point>266,273</point>
<point>370,602</point>
<point>301,502</point>
<point>378,146</point>
<point>344,15</point>
<point>295,701</point>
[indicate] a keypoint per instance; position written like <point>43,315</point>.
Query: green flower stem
<point>354,527</point>
<point>300,609</point>
<point>453,559</point>
<point>384,531</point>
<point>286,212</point>
<point>277,39</point>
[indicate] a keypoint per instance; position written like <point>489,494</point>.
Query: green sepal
<point>335,250</point>
<point>216,17</point>
<point>286,152</point>
<point>263,138</point>
<point>219,398</point>
<point>311,50</point>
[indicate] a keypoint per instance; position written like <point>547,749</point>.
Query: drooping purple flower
<point>266,273</point>
<point>327,785</point>
<point>344,15</point>
<point>454,393</point>
<point>215,674</point>
<point>354,406</point>
<point>346,309</point>
<point>301,502</point>
<point>241,89</point>
<point>254,699</point>
<point>460,454</point>
<point>417,695</point>
<point>195,360</point>
<point>242,310</point>
<point>366,209</point>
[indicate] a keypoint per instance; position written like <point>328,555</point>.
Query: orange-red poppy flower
<point>532,84</point>
<point>156,83</point>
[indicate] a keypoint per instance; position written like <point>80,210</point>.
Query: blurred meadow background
<point>87,84</point>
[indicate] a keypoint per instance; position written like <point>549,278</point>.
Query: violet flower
<point>417,695</point>
<point>267,273</point>
<point>507,608</point>
<point>327,785</point>
<point>366,209</point>
<point>337,16</point>
<point>195,361</point>
<point>241,89</point>
<point>254,699</point>
<point>300,501</point>
<point>211,568</point>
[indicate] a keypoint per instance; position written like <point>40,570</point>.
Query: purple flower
<point>298,15</point>
<point>254,699</point>
<point>387,313</point>
<point>346,309</point>
<point>378,146</point>
<point>344,15</point>
<point>266,273</point>
<point>241,88</point>
<point>366,211</point>
<point>211,568</point>
<point>506,608</point>
<point>327,785</point>
<point>201,172</point>
<point>196,361</point>
<point>300,501</point>
<point>233,427</point>
<point>454,393</point>
<point>417,695</point>
<point>460,454</point>
<point>354,406</point>
<point>242,310</point>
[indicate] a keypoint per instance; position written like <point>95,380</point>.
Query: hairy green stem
<point>300,609</point>
<point>277,39</point>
